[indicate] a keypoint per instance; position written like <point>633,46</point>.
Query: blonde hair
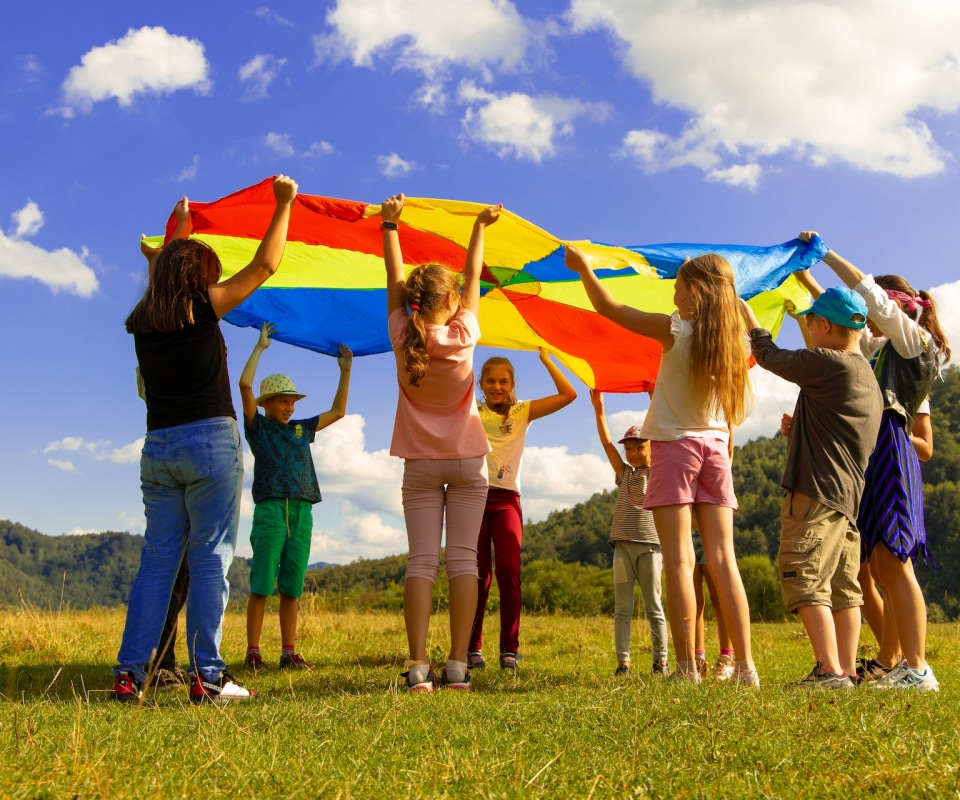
<point>427,288</point>
<point>717,348</point>
<point>500,361</point>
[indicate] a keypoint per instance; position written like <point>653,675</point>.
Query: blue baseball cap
<point>841,306</point>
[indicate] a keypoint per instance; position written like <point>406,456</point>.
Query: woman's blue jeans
<point>191,477</point>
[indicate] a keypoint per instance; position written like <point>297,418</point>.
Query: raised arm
<point>183,230</point>
<point>845,271</point>
<point>470,294</point>
<point>390,212</point>
<point>565,395</point>
<point>247,396</point>
<point>227,295</point>
<point>654,326</point>
<point>339,407</point>
<point>613,455</point>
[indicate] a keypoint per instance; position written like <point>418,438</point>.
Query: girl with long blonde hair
<point>701,393</point>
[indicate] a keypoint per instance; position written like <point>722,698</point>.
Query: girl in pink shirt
<point>439,435</point>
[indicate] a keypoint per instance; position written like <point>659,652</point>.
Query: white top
<point>905,335</point>
<point>507,439</point>
<point>673,413</point>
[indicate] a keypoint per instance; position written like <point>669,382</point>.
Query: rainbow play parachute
<point>330,287</point>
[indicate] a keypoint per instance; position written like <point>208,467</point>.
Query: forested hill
<point>98,569</point>
<point>94,569</point>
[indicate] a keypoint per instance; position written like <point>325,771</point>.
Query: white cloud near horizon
<point>257,75</point>
<point>947,298</point>
<point>520,125</point>
<point>61,269</point>
<point>98,451</point>
<point>829,83</point>
<point>144,61</point>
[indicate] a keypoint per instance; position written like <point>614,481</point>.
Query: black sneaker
<point>661,668</point>
<point>294,661</point>
<point>426,685</point>
<point>218,692</point>
<point>126,689</point>
<point>819,678</point>
<point>622,670</point>
<point>869,669</point>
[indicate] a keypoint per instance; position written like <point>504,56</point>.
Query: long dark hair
<point>181,273</point>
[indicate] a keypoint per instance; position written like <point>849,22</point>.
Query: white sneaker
<point>218,692</point>
<point>747,678</point>
<point>723,668</point>
<point>903,676</point>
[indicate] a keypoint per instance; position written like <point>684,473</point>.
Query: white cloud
<point>359,536</point>
<point>257,75</point>
<point>346,469</point>
<point>99,451</point>
<point>947,298</point>
<point>189,173</point>
<point>425,35</point>
<point>280,144</point>
<point>392,165</point>
<point>59,269</point>
<point>827,82</point>
<point>80,532</point>
<point>144,61</point>
<point>134,523</point>
<point>29,220</point>
<point>772,398</point>
<point>520,125</point>
<point>552,479</point>
<point>319,150</point>
<point>270,15</point>
<point>64,464</point>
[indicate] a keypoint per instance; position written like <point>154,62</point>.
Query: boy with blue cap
<point>834,429</point>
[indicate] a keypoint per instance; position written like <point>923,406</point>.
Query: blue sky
<point>624,121</point>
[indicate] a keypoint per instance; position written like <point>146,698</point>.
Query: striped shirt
<point>631,523</point>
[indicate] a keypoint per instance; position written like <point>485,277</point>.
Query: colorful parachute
<point>330,287</point>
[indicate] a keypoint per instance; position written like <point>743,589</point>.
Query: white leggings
<point>430,487</point>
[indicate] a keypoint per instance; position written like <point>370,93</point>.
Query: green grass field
<point>562,727</point>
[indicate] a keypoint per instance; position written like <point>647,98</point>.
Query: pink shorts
<point>690,470</point>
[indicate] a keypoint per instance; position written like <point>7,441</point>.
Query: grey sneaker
<point>819,678</point>
<point>661,668</point>
<point>622,670</point>
<point>164,679</point>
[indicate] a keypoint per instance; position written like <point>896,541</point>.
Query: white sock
<point>456,670</point>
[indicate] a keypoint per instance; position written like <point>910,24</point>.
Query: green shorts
<point>280,538</point>
<point>819,555</point>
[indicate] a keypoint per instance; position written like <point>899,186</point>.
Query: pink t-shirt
<point>438,418</point>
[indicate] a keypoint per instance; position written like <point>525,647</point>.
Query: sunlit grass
<point>562,727</point>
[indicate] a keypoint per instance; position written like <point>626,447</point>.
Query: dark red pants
<point>502,528</point>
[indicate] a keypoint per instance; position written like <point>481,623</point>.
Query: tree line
<point>566,558</point>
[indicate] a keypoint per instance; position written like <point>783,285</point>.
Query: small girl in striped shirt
<point>636,549</point>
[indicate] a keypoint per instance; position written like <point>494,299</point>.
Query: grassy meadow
<point>562,727</point>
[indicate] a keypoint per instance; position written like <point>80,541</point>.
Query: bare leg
<point>903,595</point>
<point>818,621</point>
<point>699,637</point>
<point>846,621</point>
<point>872,601</point>
<point>417,605</point>
<point>674,531</point>
<point>256,603</point>
<point>463,607</point>
<point>723,638</point>
<point>289,611</point>
<point>716,532</point>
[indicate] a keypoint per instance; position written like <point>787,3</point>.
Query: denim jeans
<point>191,476</point>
